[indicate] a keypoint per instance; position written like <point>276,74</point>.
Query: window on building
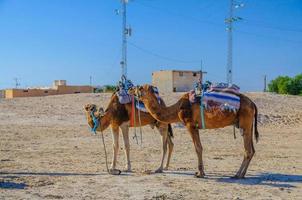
<point>25,90</point>
<point>174,89</point>
<point>181,73</point>
<point>194,73</point>
<point>46,91</point>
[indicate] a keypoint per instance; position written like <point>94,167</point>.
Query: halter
<point>96,122</point>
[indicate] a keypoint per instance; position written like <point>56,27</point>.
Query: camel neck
<point>162,113</point>
<point>105,121</point>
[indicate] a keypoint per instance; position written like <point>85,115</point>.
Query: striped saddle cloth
<point>213,99</point>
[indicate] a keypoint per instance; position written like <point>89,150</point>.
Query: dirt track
<point>47,152</point>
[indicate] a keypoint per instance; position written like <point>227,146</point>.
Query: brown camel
<point>118,116</point>
<point>189,114</point>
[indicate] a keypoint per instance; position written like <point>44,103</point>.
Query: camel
<point>118,116</point>
<point>190,115</point>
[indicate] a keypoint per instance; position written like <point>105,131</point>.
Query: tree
<point>279,85</point>
<point>286,85</point>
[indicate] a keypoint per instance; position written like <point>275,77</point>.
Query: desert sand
<point>48,152</point>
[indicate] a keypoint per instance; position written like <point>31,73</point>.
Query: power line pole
<point>126,32</point>
<point>229,22</point>
<point>264,80</point>
<point>17,83</point>
<point>202,73</point>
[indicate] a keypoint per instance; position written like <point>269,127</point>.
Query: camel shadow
<point>266,179</point>
<point>12,185</point>
<point>52,174</point>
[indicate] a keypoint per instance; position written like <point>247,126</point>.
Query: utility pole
<point>229,23</point>
<point>202,73</point>
<point>126,32</point>
<point>17,83</point>
<point>90,80</point>
<point>264,88</point>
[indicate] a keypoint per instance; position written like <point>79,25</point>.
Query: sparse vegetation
<point>286,85</point>
<point>105,88</point>
<point>109,88</point>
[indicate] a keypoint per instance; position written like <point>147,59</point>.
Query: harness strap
<point>203,125</point>
<point>133,119</point>
<point>140,123</point>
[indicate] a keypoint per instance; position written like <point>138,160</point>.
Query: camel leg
<point>249,152</point>
<point>170,149</point>
<point>115,145</point>
<point>164,134</point>
<point>198,148</point>
<point>125,131</point>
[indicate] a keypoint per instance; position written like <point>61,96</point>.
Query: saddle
<point>125,98</point>
<point>218,96</point>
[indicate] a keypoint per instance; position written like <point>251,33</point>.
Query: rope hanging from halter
<point>203,125</point>
<point>133,118</point>
<point>96,124</point>
<point>140,123</point>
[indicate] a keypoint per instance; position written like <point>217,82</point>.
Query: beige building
<point>175,80</point>
<point>59,87</point>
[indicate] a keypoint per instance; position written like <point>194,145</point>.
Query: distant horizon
<point>42,41</point>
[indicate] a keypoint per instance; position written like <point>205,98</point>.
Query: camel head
<point>145,93</point>
<point>91,109</point>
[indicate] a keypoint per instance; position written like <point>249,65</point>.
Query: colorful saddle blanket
<point>224,87</point>
<point>222,100</point>
<point>125,98</point>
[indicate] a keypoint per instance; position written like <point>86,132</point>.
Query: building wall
<point>67,89</point>
<point>59,82</point>
<point>175,80</point>
<point>13,93</point>
<point>163,80</point>
<point>183,81</point>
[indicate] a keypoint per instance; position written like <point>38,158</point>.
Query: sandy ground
<point>47,152</point>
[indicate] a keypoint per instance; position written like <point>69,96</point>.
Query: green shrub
<point>286,85</point>
<point>109,88</point>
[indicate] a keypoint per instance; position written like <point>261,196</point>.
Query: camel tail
<point>170,131</point>
<point>255,123</point>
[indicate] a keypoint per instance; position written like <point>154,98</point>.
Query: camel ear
<point>87,107</point>
<point>101,111</point>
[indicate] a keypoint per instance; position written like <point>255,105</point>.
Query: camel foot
<point>159,170</point>
<point>237,177</point>
<point>166,168</point>
<point>127,168</point>
<point>115,171</point>
<point>199,174</point>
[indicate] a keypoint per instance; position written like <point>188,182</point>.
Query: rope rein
<point>106,160</point>
<point>140,124</point>
<point>96,125</point>
<point>133,118</point>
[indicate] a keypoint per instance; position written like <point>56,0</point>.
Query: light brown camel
<point>118,116</point>
<point>189,114</point>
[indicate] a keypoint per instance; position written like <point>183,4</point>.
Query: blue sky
<point>41,41</point>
